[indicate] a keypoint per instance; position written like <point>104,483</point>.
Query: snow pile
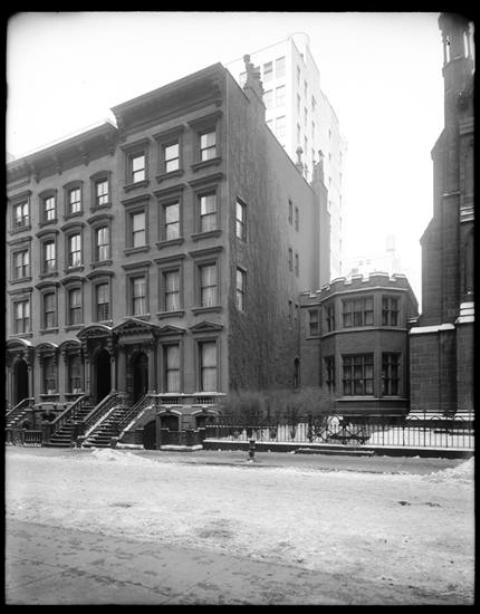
<point>461,473</point>
<point>123,457</point>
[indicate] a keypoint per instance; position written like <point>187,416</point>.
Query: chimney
<point>253,81</point>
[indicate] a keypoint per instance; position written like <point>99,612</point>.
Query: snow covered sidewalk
<point>403,534</point>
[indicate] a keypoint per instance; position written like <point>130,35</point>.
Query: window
<point>290,211</point>
<point>49,209</point>
<point>208,366</point>
<point>267,71</point>
<point>305,118</point>
<point>241,220</point>
<point>49,310</point>
<point>389,311</point>
<point>171,156</point>
<point>297,265</point>
<point>305,89</point>
<point>21,215</point>
<point>21,316</point>
<point>298,75</point>
<point>208,145</point>
<point>102,193</point>
<point>171,357</point>
<point>208,212</point>
<point>102,244</point>
<point>102,302</point>
<point>390,367</point>
<point>268,99</point>
<point>138,237</point>
<point>358,374</point>
<point>49,376</point>
<point>330,316</point>
<point>49,257</point>
<point>171,285</point>
<point>280,67</point>
<point>358,312</point>
<point>313,323</point>
<point>290,259</point>
<point>240,289</point>
<point>137,167</point>
<point>208,285</point>
<point>314,104</point>
<point>171,216</point>
<point>74,201</point>
<point>74,250</point>
<point>21,264</point>
<point>280,96</point>
<point>139,296</point>
<point>297,219</point>
<point>330,373</point>
<point>74,374</point>
<point>75,306</point>
<point>298,105</point>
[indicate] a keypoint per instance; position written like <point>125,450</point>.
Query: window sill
<point>179,313</point>
<point>197,236</point>
<point>74,326</point>
<point>69,216</point>
<point>101,263</point>
<point>213,309</point>
<point>48,331</point>
<point>15,231</point>
<point>136,250</point>
<point>169,242</point>
<point>19,280</point>
<point>206,163</point>
<point>48,223</point>
<point>74,269</point>
<point>170,175</point>
<point>45,275</point>
<point>133,186</point>
<point>100,207</point>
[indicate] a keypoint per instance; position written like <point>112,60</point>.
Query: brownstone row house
<point>164,255</point>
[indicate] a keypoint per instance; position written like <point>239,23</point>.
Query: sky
<point>382,72</point>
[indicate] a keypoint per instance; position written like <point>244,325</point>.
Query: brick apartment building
<point>164,255</point>
<point>441,344</point>
<point>354,342</point>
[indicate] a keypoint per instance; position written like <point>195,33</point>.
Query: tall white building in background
<point>299,114</point>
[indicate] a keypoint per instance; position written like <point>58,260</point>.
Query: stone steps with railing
<point>65,435</point>
<point>17,413</point>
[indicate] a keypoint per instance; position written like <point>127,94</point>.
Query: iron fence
<point>425,432</point>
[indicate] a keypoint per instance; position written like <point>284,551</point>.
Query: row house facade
<point>163,254</point>
<point>355,343</point>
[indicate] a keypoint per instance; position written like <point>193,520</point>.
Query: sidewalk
<point>51,566</point>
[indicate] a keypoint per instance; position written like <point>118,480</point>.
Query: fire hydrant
<point>251,449</point>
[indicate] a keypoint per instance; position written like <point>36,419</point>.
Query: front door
<point>140,376</point>
<point>102,375</point>
<point>21,381</point>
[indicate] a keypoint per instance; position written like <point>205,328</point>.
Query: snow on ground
<point>405,529</point>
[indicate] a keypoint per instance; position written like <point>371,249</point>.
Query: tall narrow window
<point>313,323</point>
<point>74,201</point>
<point>172,368</point>
<point>21,312</point>
<point>208,212</point>
<point>390,367</point>
<point>49,257</point>
<point>172,221</point>
<point>139,296</point>
<point>21,215</point>
<point>208,145</point>
<point>290,259</point>
<point>74,250</point>
<point>75,306</point>
<point>102,302</point>
<point>240,289</point>
<point>267,72</point>
<point>49,310</point>
<point>297,219</point>
<point>330,316</point>
<point>137,168</point>
<point>330,373</point>
<point>299,104</point>
<point>49,376</point>
<point>102,194</point>
<point>49,209</point>
<point>297,265</point>
<point>208,285</point>
<point>389,311</point>
<point>171,153</point>
<point>280,67</point>
<point>75,375</point>
<point>240,221</point>
<point>208,366</point>
<point>171,284</point>
<point>138,229</point>
<point>21,264</point>
<point>358,374</point>
<point>290,211</point>
<point>102,244</point>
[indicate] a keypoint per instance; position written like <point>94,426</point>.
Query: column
<point>62,375</point>
<point>9,388</point>
<point>152,383</point>
<point>113,372</point>
<point>121,370</point>
<point>87,375</point>
<point>31,379</point>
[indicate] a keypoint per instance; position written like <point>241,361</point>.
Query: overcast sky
<point>381,71</point>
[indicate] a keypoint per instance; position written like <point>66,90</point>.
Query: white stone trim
<point>419,330</point>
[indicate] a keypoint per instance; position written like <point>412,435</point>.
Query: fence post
<point>251,450</point>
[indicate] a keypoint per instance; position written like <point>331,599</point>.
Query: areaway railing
<point>425,432</point>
